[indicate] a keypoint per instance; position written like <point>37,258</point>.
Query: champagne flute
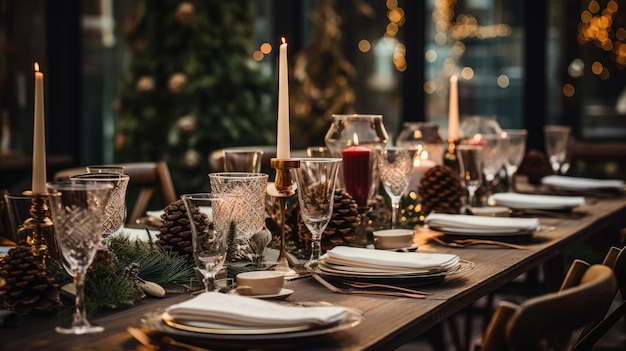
<point>316,178</point>
<point>515,151</point>
<point>77,211</point>
<point>210,217</point>
<point>396,165</point>
<point>470,165</point>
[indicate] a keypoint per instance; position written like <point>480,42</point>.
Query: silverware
<point>364,285</point>
<point>463,243</point>
<point>335,289</point>
<point>150,344</point>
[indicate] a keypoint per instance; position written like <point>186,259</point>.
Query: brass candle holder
<point>38,230</point>
<point>282,188</point>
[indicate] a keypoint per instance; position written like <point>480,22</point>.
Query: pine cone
<point>441,190</point>
<point>28,285</point>
<point>535,166</point>
<point>342,226</point>
<point>175,231</point>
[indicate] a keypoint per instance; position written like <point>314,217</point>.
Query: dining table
<point>387,321</point>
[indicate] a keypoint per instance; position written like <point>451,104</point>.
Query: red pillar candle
<point>356,173</point>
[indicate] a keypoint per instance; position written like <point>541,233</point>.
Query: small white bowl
<point>260,282</point>
<point>393,238</point>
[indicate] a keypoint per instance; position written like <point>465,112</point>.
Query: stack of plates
<point>366,264</point>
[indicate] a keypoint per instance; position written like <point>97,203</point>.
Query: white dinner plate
<point>582,184</point>
<point>483,231</point>
<point>536,202</point>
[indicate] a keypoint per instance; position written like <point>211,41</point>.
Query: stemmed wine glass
<point>557,140</point>
<point>396,165</point>
<point>493,156</point>
<point>210,217</point>
<point>77,211</point>
<point>115,210</point>
<point>470,166</point>
<point>316,178</point>
<point>515,151</point>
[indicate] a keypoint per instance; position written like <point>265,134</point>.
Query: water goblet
<point>396,165</point>
<point>115,211</point>
<point>241,160</point>
<point>210,216</point>
<point>556,140</point>
<point>77,211</point>
<point>250,190</point>
<point>493,156</point>
<point>471,169</point>
<point>515,151</point>
<point>106,169</point>
<point>315,179</point>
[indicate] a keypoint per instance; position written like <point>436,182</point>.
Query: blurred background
<point>174,80</point>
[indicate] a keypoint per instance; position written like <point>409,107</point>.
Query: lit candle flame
<point>355,139</point>
<point>282,39</point>
<point>36,67</point>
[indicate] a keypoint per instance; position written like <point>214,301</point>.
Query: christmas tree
<point>321,78</point>
<point>191,87</point>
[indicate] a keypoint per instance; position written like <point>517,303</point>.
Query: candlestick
<point>281,189</point>
<point>356,173</point>
<point>282,141</point>
<point>453,110</point>
<point>39,137</point>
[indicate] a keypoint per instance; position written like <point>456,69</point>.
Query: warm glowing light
<point>467,73</point>
<point>392,29</point>
<point>364,45</point>
<point>594,6</point>
<point>429,87</point>
<point>568,90</point>
<point>503,81</point>
<point>395,15</point>
<point>257,55</point>
<point>430,55</point>
<point>266,48</point>
<point>36,67</point>
<point>355,139</point>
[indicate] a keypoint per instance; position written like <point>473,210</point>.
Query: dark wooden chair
<point>550,321</point>
<point>146,178</point>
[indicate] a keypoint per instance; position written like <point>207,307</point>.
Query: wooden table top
<point>388,322</point>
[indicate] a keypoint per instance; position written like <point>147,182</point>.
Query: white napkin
<point>531,201</point>
<point>478,223</point>
<point>241,311</point>
<point>390,259</point>
<point>579,183</point>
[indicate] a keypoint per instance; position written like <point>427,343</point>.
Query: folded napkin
<point>478,223</point>
<point>579,183</point>
<point>390,260</point>
<point>531,201</point>
<point>247,312</point>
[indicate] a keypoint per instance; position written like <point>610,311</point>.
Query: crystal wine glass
<point>515,151</point>
<point>557,140</point>
<point>77,211</point>
<point>470,165</point>
<point>210,216</point>
<point>396,165</point>
<point>315,180</point>
<point>115,211</point>
<point>493,156</point>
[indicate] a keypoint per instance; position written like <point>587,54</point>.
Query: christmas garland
<point>119,276</point>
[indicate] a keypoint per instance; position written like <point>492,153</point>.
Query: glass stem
<point>80,314</point>
<point>395,213</point>
<point>209,282</point>
<point>316,248</point>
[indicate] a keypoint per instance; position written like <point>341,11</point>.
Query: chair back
<point>538,322</point>
<point>145,178</point>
